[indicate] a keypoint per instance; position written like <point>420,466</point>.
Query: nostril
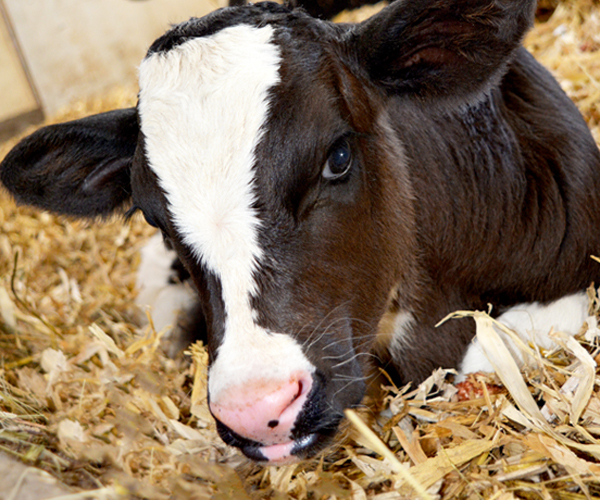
<point>273,423</point>
<point>300,388</point>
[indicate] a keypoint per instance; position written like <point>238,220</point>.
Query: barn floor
<point>88,395</point>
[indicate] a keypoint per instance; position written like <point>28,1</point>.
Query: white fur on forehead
<point>203,105</point>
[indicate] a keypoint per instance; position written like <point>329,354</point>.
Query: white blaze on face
<point>202,106</point>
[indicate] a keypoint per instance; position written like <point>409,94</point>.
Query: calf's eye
<point>339,161</point>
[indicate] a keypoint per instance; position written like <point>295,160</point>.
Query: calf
<point>322,183</point>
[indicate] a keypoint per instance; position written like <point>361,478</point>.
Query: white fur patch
<point>532,322</point>
<point>164,299</point>
<point>402,325</point>
<point>202,106</point>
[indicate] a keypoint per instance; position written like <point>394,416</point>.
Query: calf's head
<point>263,149</point>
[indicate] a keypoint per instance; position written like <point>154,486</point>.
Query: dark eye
<point>339,161</point>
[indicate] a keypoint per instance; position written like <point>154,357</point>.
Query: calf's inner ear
<point>441,49</point>
<point>79,168</point>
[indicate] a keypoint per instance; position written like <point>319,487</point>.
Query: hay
<point>88,395</point>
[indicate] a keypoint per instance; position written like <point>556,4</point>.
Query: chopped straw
<point>88,395</point>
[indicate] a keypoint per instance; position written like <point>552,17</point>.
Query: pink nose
<point>263,411</point>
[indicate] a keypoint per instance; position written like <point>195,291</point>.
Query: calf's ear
<point>78,168</point>
<point>441,49</point>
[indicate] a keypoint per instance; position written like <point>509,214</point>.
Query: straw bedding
<point>88,395</point>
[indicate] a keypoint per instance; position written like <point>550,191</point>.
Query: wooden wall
<point>74,49</point>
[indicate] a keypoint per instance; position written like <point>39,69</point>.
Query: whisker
<point>348,353</point>
<point>345,339</point>
<point>334,411</point>
<point>309,342</point>
<point>342,388</point>
<point>341,376</point>
<point>325,330</point>
<point>354,357</point>
<point>315,329</point>
<point>336,342</point>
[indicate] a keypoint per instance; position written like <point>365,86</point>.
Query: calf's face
<point>262,148</point>
<point>292,237</point>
